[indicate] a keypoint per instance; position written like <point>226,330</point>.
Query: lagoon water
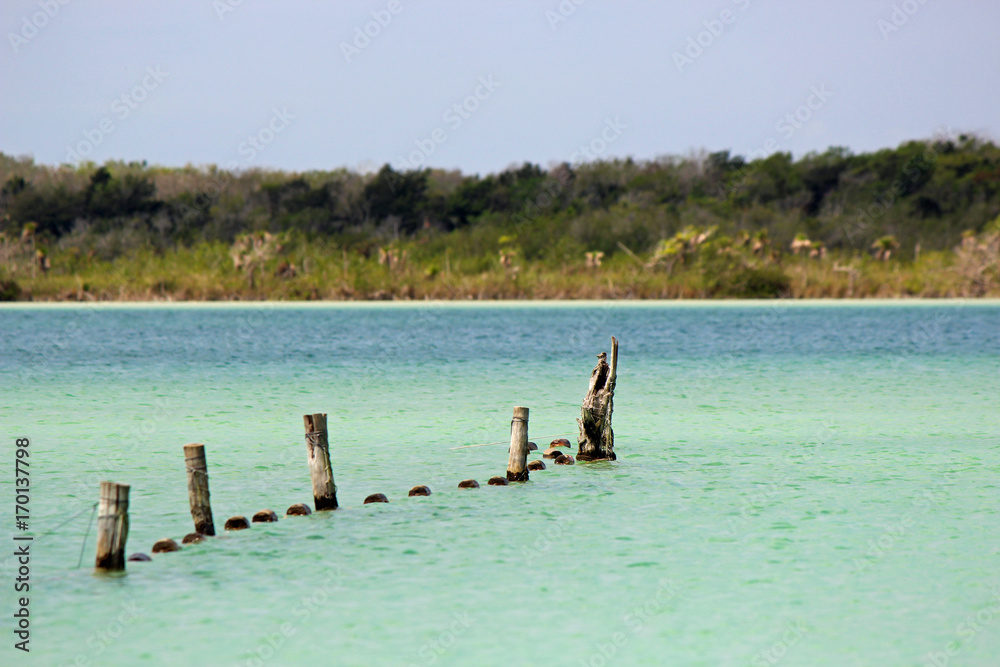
<point>797,484</point>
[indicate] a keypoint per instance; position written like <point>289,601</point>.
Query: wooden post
<point>324,489</point>
<point>597,440</point>
<point>112,527</point>
<point>198,496</point>
<point>517,461</point>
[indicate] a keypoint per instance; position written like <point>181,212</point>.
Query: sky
<point>481,86</point>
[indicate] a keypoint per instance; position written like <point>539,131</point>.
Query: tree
<point>401,194</point>
<point>884,246</point>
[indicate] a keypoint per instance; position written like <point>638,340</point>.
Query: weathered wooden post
<point>198,496</point>
<point>112,527</point>
<point>324,489</point>
<point>517,461</point>
<point>597,440</point>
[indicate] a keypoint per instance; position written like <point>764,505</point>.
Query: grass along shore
<point>267,267</point>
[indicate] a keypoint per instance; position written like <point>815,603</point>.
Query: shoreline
<point>497,303</point>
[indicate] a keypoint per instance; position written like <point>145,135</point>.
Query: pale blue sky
<point>276,71</point>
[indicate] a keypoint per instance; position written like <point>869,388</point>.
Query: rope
<point>504,442</point>
<point>312,439</point>
<point>66,521</point>
<point>85,536</point>
<point>194,471</point>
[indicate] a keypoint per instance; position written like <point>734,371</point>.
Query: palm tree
<point>801,242</point>
<point>884,246</point>
<point>759,242</point>
<point>28,239</point>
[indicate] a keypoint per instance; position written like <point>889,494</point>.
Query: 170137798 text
<point>22,544</point>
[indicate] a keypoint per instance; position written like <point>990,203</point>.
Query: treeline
<point>923,192</point>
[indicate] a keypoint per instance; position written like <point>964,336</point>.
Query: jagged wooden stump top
<point>597,440</point>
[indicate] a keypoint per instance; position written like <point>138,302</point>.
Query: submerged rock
<point>560,442</point>
<point>265,516</point>
<point>139,557</point>
<point>237,523</point>
<point>165,545</point>
<point>551,453</point>
<point>192,538</point>
<point>376,498</point>
<point>564,460</point>
<point>536,465</point>
<point>420,490</point>
<point>298,509</point>
<point>468,484</point>
<point>498,481</point>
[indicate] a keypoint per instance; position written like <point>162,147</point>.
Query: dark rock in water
<point>298,509</point>
<point>191,538</point>
<point>420,490</point>
<point>536,465</point>
<point>560,442</point>
<point>564,460</point>
<point>139,557</point>
<point>468,484</point>
<point>532,447</point>
<point>237,523</point>
<point>551,453</point>
<point>498,481</point>
<point>165,545</point>
<point>584,457</point>
<point>265,516</point>
<point>376,498</point>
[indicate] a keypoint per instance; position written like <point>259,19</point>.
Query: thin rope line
<point>66,521</point>
<point>85,536</point>
<point>501,442</point>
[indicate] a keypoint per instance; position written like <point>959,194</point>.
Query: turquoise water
<point>797,484</point>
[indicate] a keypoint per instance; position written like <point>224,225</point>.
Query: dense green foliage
<point>729,219</point>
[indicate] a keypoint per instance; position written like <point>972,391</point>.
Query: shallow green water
<point>803,484</point>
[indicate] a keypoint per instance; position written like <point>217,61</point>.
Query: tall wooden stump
<point>597,440</point>
<point>112,527</point>
<point>517,462</point>
<point>320,470</point>
<point>198,496</point>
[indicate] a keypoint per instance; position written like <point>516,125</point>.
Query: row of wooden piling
<point>596,443</point>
